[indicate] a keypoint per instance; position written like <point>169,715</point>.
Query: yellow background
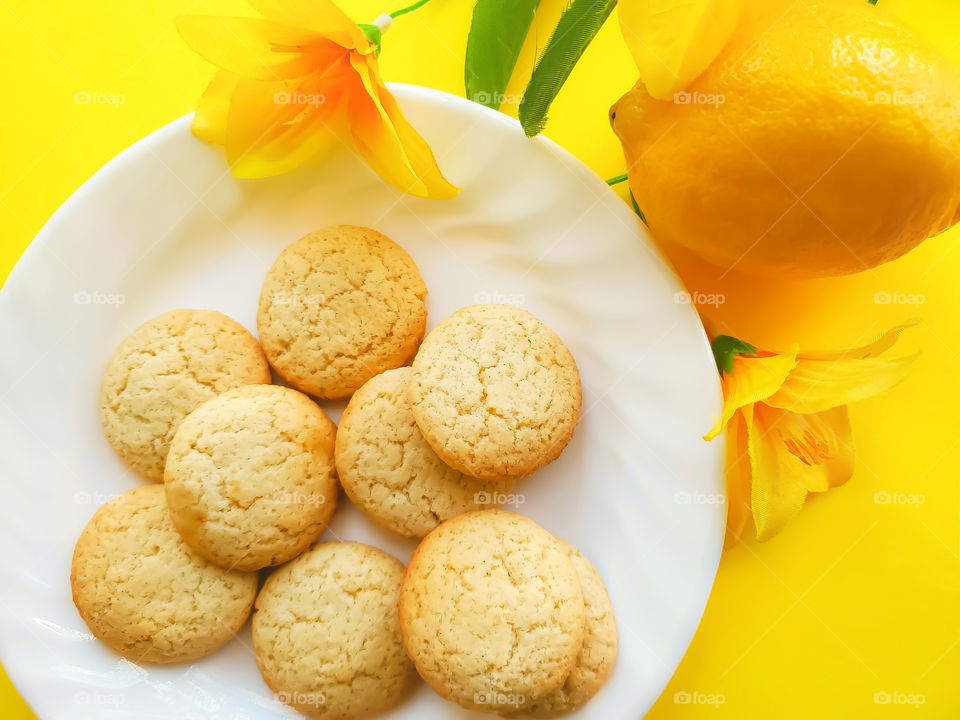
<point>854,598</point>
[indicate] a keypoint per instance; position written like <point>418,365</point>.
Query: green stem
<point>409,8</point>
<point>633,201</point>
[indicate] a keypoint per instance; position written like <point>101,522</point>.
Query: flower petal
<point>778,489</point>
<point>738,479</point>
<point>840,466</point>
<point>817,385</point>
<point>822,443</point>
<point>265,137</point>
<point>248,46</point>
<point>210,121</point>
<point>877,347</point>
<point>753,379</point>
<point>319,16</point>
<point>673,41</point>
<point>385,139</point>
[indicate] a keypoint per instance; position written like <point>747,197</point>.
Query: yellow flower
<point>297,83</point>
<point>673,42</point>
<point>788,430</point>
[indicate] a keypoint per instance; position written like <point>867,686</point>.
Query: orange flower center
<point>806,437</point>
<point>811,449</point>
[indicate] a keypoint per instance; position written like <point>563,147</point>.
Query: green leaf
<point>497,33</point>
<point>578,25</point>
<point>374,35</point>
<point>725,347</point>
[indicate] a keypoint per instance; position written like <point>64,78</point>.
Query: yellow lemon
<point>823,139</point>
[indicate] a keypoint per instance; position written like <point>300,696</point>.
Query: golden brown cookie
<point>491,611</point>
<point>495,392</point>
<point>599,649</point>
<point>325,632</point>
<point>389,470</point>
<point>250,477</point>
<point>165,370</point>
<point>145,593</point>
<point>339,306</point>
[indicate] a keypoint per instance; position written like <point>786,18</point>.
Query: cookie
<point>495,392</point>
<point>599,649</point>
<point>250,477</point>
<point>491,611</point>
<point>339,306</point>
<point>391,473</point>
<point>325,632</point>
<point>165,370</point>
<point>145,593</point>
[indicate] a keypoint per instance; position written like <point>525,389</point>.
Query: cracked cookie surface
<point>250,478</point>
<point>163,371</point>
<point>145,593</point>
<point>495,392</point>
<point>599,650</point>
<point>339,306</point>
<point>491,611</point>
<point>389,470</point>
<point>326,636</point>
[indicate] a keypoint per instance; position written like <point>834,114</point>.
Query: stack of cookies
<point>493,611</point>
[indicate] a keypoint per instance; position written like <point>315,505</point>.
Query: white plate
<point>164,225</point>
